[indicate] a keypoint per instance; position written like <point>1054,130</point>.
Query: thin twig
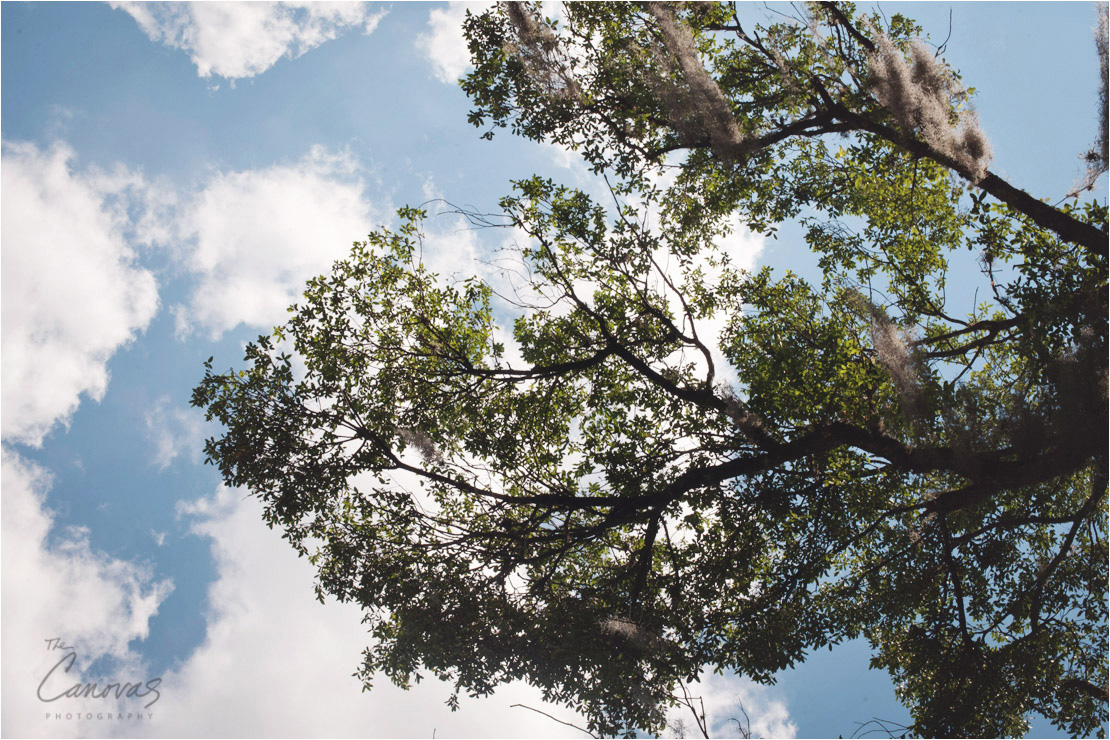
<point>545,714</point>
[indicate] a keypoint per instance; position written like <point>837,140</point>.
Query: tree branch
<point>1068,228</point>
<point>545,714</point>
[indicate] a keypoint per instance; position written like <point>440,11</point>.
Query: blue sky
<point>171,176</point>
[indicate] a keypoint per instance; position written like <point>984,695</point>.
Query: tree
<point>608,498</point>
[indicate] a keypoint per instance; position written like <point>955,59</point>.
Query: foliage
<point>667,462</point>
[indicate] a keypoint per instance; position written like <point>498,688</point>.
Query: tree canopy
<point>644,461</point>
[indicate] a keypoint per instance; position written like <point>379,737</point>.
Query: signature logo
<point>54,687</point>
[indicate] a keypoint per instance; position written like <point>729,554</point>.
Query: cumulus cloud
<point>243,39</point>
<point>174,431</point>
<point>730,699</point>
<point>73,292</point>
<point>57,586</point>
<point>444,44</point>
<point>277,663</point>
<point>256,236</point>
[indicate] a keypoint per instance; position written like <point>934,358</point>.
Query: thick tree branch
<point>1099,693</point>
<point>1065,226</point>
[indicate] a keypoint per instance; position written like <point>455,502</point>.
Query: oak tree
<point>642,461</point>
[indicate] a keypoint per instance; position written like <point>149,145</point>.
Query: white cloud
<point>563,157</point>
<point>66,590</point>
<point>258,235</point>
<point>451,247</point>
<point>444,44</point>
<point>767,714</point>
<point>276,662</point>
<point>72,295</point>
<point>72,292</point>
<point>244,39</point>
<point>174,431</point>
<point>734,707</point>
